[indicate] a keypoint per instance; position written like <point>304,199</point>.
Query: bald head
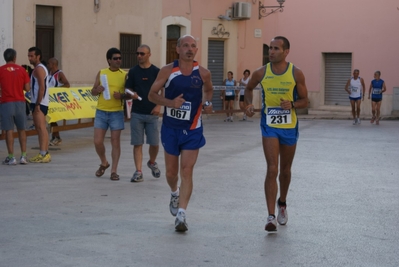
<point>181,39</point>
<point>52,64</point>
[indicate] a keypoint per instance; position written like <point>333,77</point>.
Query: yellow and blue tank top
<point>275,87</point>
<point>188,116</point>
<point>116,83</point>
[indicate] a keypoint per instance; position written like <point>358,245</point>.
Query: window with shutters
<point>128,47</point>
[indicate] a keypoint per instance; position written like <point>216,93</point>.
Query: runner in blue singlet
<point>188,88</point>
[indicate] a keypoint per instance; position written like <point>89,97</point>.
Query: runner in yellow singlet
<point>284,90</point>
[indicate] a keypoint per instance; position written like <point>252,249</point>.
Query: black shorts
<point>241,98</point>
<point>43,108</point>
<point>229,97</point>
<point>376,99</point>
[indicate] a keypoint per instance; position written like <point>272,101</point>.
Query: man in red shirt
<point>13,80</point>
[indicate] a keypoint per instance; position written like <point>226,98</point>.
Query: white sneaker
<point>23,160</point>
<point>282,216</point>
<point>358,120</point>
<point>354,121</point>
<point>174,205</point>
<point>180,222</point>
<point>271,224</point>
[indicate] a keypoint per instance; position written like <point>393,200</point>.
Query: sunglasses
<point>117,58</point>
<point>140,53</point>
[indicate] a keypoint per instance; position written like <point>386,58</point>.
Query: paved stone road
<point>342,203</point>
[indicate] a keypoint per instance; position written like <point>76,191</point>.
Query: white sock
<point>181,210</point>
<point>176,193</point>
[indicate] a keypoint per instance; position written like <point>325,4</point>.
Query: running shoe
<point>231,119</point>
<point>137,177</point>
<point>154,169</point>
<point>180,222</point>
<point>9,161</point>
<point>372,119</point>
<point>55,141</point>
<point>377,122</point>
<point>23,160</point>
<point>358,120</point>
<point>282,216</point>
<point>271,224</point>
<point>244,118</point>
<point>174,205</point>
<point>354,121</point>
<point>41,159</point>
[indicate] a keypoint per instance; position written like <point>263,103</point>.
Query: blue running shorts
<point>287,137</point>
<point>176,140</point>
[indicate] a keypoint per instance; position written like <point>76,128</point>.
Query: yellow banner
<point>71,104</point>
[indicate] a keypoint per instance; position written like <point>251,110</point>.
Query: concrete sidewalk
<point>342,203</point>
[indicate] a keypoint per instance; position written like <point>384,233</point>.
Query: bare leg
<point>40,125</point>
<point>358,102</point>
<point>116,149</point>
<point>287,154</point>
<point>378,110</point>
<point>99,135</point>
<point>138,156</point>
<point>10,141</point>
<point>153,151</point>
<point>231,107</point>
<point>187,161</point>
<point>353,109</point>
<point>172,171</point>
<point>22,140</point>
<point>373,108</point>
<point>271,149</point>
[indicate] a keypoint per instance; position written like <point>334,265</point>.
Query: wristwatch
<point>207,103</point>
<point>292,104</point>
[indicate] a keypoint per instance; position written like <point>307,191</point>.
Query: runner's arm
<point>371,86</point>
<point>40,74</point>
<point>97,88</point>
<point>64,80</point>
<point>302,91</point>
<point>384,88</point>
<point>159,83</point>
<point>347,86</point>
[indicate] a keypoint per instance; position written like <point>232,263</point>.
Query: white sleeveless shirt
<point>34,86</point>
<point>355,88</point>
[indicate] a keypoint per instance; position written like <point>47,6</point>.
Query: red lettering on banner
<point>71,106</point>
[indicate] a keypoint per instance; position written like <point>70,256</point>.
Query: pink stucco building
<point>331,38</point>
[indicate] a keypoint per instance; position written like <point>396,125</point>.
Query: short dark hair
<point>286,43</point>
<point>378,72</point>
<point>9,54</point>
<point>112,51</point>
<point>230,72</point>
<point>37,51</point>
<point>247,70</point>
<point>145,46</point>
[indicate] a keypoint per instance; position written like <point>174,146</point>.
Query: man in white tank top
<point>39,103</point>
<point>356,89</point>
<point>56,79</point>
